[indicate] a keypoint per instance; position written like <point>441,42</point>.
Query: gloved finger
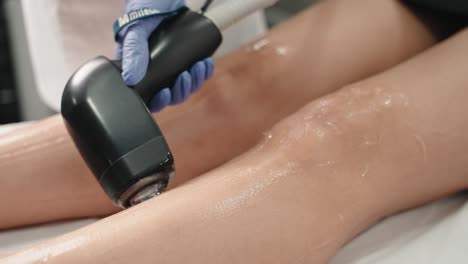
<point>209,63</point>
<point>187,83</point>
<point>161,100</point>
<point>182,88</point>
<point>135,55</point>
<point>198,73</point>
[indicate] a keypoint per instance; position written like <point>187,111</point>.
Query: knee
<point>350,121</point>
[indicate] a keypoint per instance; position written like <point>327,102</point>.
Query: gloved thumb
<point>135,55</point>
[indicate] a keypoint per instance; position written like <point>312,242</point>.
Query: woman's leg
<point>322,175</point>
<point>335,43</point>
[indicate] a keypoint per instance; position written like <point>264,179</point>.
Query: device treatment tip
<point>148,193</point>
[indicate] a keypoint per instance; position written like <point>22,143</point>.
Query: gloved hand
<point>132,49</point>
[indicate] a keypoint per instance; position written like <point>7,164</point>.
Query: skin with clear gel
<point>297,62</point>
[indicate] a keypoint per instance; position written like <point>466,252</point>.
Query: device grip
<point>175,46</point>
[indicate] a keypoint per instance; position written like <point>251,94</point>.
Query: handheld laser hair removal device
<point>110,122</point>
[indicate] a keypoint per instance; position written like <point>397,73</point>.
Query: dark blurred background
<point>8,101</point>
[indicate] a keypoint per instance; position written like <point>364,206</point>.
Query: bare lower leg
<point>325,174</point>
<point>253,88</point>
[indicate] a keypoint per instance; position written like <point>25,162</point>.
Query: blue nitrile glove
<point>132,49</point>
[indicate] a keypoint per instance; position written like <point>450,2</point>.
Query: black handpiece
<point>112,126</point>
